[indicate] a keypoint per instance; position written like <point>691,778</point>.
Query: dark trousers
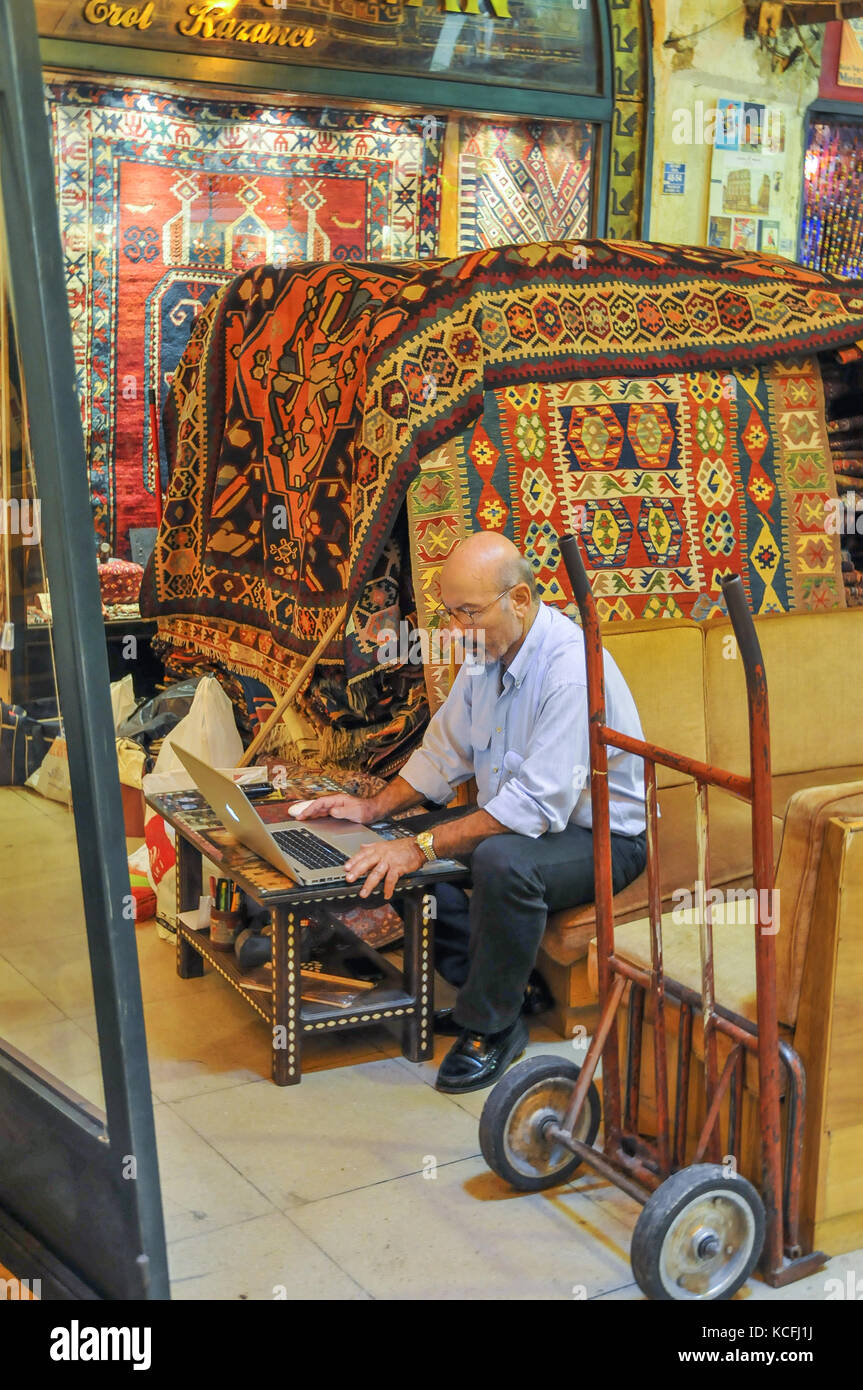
<point>487,944</point>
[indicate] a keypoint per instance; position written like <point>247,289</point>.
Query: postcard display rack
<point>752,206</point>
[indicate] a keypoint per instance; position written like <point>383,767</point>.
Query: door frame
<point>80,1199</point>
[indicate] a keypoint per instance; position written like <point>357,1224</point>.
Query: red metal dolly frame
<point>701,1230</point>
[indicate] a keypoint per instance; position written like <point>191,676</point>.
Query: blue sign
<point>674,178</point>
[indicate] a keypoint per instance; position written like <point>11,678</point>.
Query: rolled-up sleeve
<point>541,793</point>
<point>445,759</point>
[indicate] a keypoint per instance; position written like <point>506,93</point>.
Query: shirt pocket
<point>481,722</point>
<point>512,762</point>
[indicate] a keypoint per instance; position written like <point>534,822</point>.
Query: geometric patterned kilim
<point>671,482</point>
<point>522,180</point>
<point>164,198</point>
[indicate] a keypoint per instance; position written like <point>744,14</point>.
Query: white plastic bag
<point>51,778</point>
<point>122,700</point>
<point>130,762</point>
<point>208,731</point>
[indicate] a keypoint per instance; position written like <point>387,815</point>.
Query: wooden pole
<point>157,477</point>
<point>306,668</point>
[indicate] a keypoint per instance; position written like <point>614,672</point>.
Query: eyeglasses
<point>466,617</point>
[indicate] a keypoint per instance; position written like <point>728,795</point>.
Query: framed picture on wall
<point>744,234</point>
<point>768,235</point>
<point>749,200</point>
<point>719,232</point>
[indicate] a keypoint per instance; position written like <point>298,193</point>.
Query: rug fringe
<point>338,747</point>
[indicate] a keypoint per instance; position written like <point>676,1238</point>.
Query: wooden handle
<point>306,668</point>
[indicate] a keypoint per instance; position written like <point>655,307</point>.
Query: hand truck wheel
<point>699,1235</point>
<point>511,1128</point>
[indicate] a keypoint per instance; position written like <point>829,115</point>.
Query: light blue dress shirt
<point>524,737</point>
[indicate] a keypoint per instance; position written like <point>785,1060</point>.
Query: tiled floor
<point>362,1182</point>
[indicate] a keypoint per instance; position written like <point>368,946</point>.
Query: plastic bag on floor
<point>157,716</point>
<point>122,700</point>
<point>51,778</point>
<point>141,885</point>
<point>130,762</point>
<point>208,731</point>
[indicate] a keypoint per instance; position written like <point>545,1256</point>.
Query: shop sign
<point>541,43</point>
<point>207,19</point>
<point>851,54</point>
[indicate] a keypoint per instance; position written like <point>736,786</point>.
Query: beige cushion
<point>814,666</point>
<point>733,976</point>
<point>785,787</point>
<point>733,938</point>
<point>796,877</point>
<point>568,933</point>
<point>663,665</point>
<point>733,952</point>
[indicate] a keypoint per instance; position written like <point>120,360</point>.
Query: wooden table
<point>403,998</point>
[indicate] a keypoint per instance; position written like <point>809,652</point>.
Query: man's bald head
<point>488,563</point>
<point>487,586</point>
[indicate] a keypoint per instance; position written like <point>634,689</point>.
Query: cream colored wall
<point>716,63</point>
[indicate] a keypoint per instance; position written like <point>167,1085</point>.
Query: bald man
<point>518,723</point>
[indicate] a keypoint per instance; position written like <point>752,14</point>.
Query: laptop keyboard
<point>309,849</point>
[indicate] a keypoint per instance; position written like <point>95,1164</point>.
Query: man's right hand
<point>342,807</point>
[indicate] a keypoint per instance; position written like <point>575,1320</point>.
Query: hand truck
<point>703,1227</point>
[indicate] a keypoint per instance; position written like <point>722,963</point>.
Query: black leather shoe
<point>538,998</point>
<point>478,1059</point>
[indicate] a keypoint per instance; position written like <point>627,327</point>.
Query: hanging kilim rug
<point>307,398</point>
<point>164,198</point>
<point>521,181</point>
<point>671,482</point>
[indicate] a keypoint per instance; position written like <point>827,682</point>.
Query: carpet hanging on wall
<point>308,399</point>
<point>522,181</point>
<point>165,198</point>
<point>671,482</point>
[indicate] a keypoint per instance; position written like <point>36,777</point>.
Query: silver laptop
<point>309,851</point>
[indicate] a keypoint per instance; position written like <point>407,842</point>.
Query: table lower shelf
<point>384,1003</point>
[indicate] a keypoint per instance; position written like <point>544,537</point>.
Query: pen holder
<point>223,928</point>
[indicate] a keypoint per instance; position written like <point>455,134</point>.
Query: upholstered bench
<point>688,683</point>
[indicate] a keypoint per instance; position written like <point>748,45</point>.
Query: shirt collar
<point>520,664</point>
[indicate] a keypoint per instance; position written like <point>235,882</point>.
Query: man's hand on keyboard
<point>341,807</point>
<point>387,860</point>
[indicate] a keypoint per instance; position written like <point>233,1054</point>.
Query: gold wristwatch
<point>425,840</point>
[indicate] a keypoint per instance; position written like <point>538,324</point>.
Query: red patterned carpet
<point>164,199</point>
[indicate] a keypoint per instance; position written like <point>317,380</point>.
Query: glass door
<point>80,1203</point>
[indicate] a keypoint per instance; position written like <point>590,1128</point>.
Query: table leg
<point>418,1029</point>
<point>190,965</point>
<point>287,1026</point>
